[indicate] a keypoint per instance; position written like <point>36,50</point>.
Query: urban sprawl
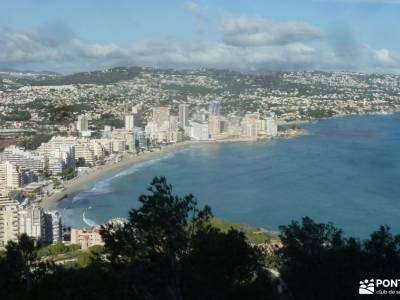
<point>56,129</point>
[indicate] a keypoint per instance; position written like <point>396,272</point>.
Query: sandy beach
<point>93,174</point>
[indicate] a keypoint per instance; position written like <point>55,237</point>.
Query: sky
<point>69,36</point>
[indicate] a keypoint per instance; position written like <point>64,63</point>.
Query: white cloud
<point>27,47</point>
<point>200,13</point>
<point>247,44</point>
<point>97,50</point>
<point>257,31</point>
<point>173,53</point>
<point>385,58</point>
<point>197,9</point>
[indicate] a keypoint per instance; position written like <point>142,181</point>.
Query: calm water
<point>345,171</point>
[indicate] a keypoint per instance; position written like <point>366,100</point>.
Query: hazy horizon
<point>325,35</point>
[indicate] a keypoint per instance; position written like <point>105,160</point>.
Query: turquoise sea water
<point>345,171</point>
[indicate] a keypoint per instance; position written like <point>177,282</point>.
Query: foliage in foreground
<point>318,262</point>
<point>169,249</point>
<point>166,250</point>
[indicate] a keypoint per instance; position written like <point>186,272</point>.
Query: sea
<point>344,170</point>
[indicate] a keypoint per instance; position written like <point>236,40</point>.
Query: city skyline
<point>66,37</point>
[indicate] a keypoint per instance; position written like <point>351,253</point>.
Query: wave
<point>88,221</point>
<point>103,186</point>
<point>139,166</point>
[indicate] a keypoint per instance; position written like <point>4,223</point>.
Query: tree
<point>317,262</point>
<point>226,266</point>
<point>168,250</point>
<point>156,237</point>
<point>316,259</point>
<point>383,254</point>
<point>21,268</point>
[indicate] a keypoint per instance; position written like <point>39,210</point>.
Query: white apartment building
<point>9,228</point>
<point>183,116</point>
<point>118,146</point>
<point>31,222</point>
<point>24,159</point>
<point>199,130</point>
<point>271,126</point>
<point>160,114</point>
<point>159,132</point>
<point>10,178</point>
<point>84,149</point>
<point>83,123</point>
<point>129,122</point>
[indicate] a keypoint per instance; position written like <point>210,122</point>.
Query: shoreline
<point>74,185</point>
<point>93,174</point>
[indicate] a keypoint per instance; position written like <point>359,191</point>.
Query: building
<point>129,122</point>
<point>83,123</point>
<point>84,152</point>
<point>9,227</point>
<point>140,138</point>
<point>24,159</point>
<point>86,238</point>
<point>234,127</point>
<point>118,146</point>
<point>183,117</point>
<point>250,125</point>
<point>52,227</point>
<point>123,140</point>
<point>159,132</point>
<point>199,130</point>
<point>160,115</point>
<point>271,125</point>
<point>60,153</point>
<point>106,132</point>
<point>31,221</point>
<point>215,125</point>
<point>10,178</point>
<point>214,108</point>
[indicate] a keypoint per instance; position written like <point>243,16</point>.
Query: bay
<point>344,170</point>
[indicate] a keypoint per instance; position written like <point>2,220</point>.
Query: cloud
<point>200,13</point>
<point>24,47</point>
<point>246,44</point>
<point>178,54</point>
<point>96,50</point>
<point>196,9</point>
<point>386,58</point>
<point>256,31</point>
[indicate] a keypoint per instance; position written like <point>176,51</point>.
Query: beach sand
<point>93,174</point>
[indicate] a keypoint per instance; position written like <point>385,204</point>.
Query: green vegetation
<point>108,119</point>
<point>32,142</point>
<point>57,249</point>
<point>67,174</point>
<point>320,113</point>
<point>171,249</point>
<point>253,235</point>
<point>16,115</point>
<point>14,195</point>
<point>96,77</point>
<point>65,114</point>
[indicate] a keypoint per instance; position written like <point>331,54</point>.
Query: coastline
<point>50,202</point>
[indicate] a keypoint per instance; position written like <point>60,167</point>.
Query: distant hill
<point>106,76</point>
<point>8,72</point>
